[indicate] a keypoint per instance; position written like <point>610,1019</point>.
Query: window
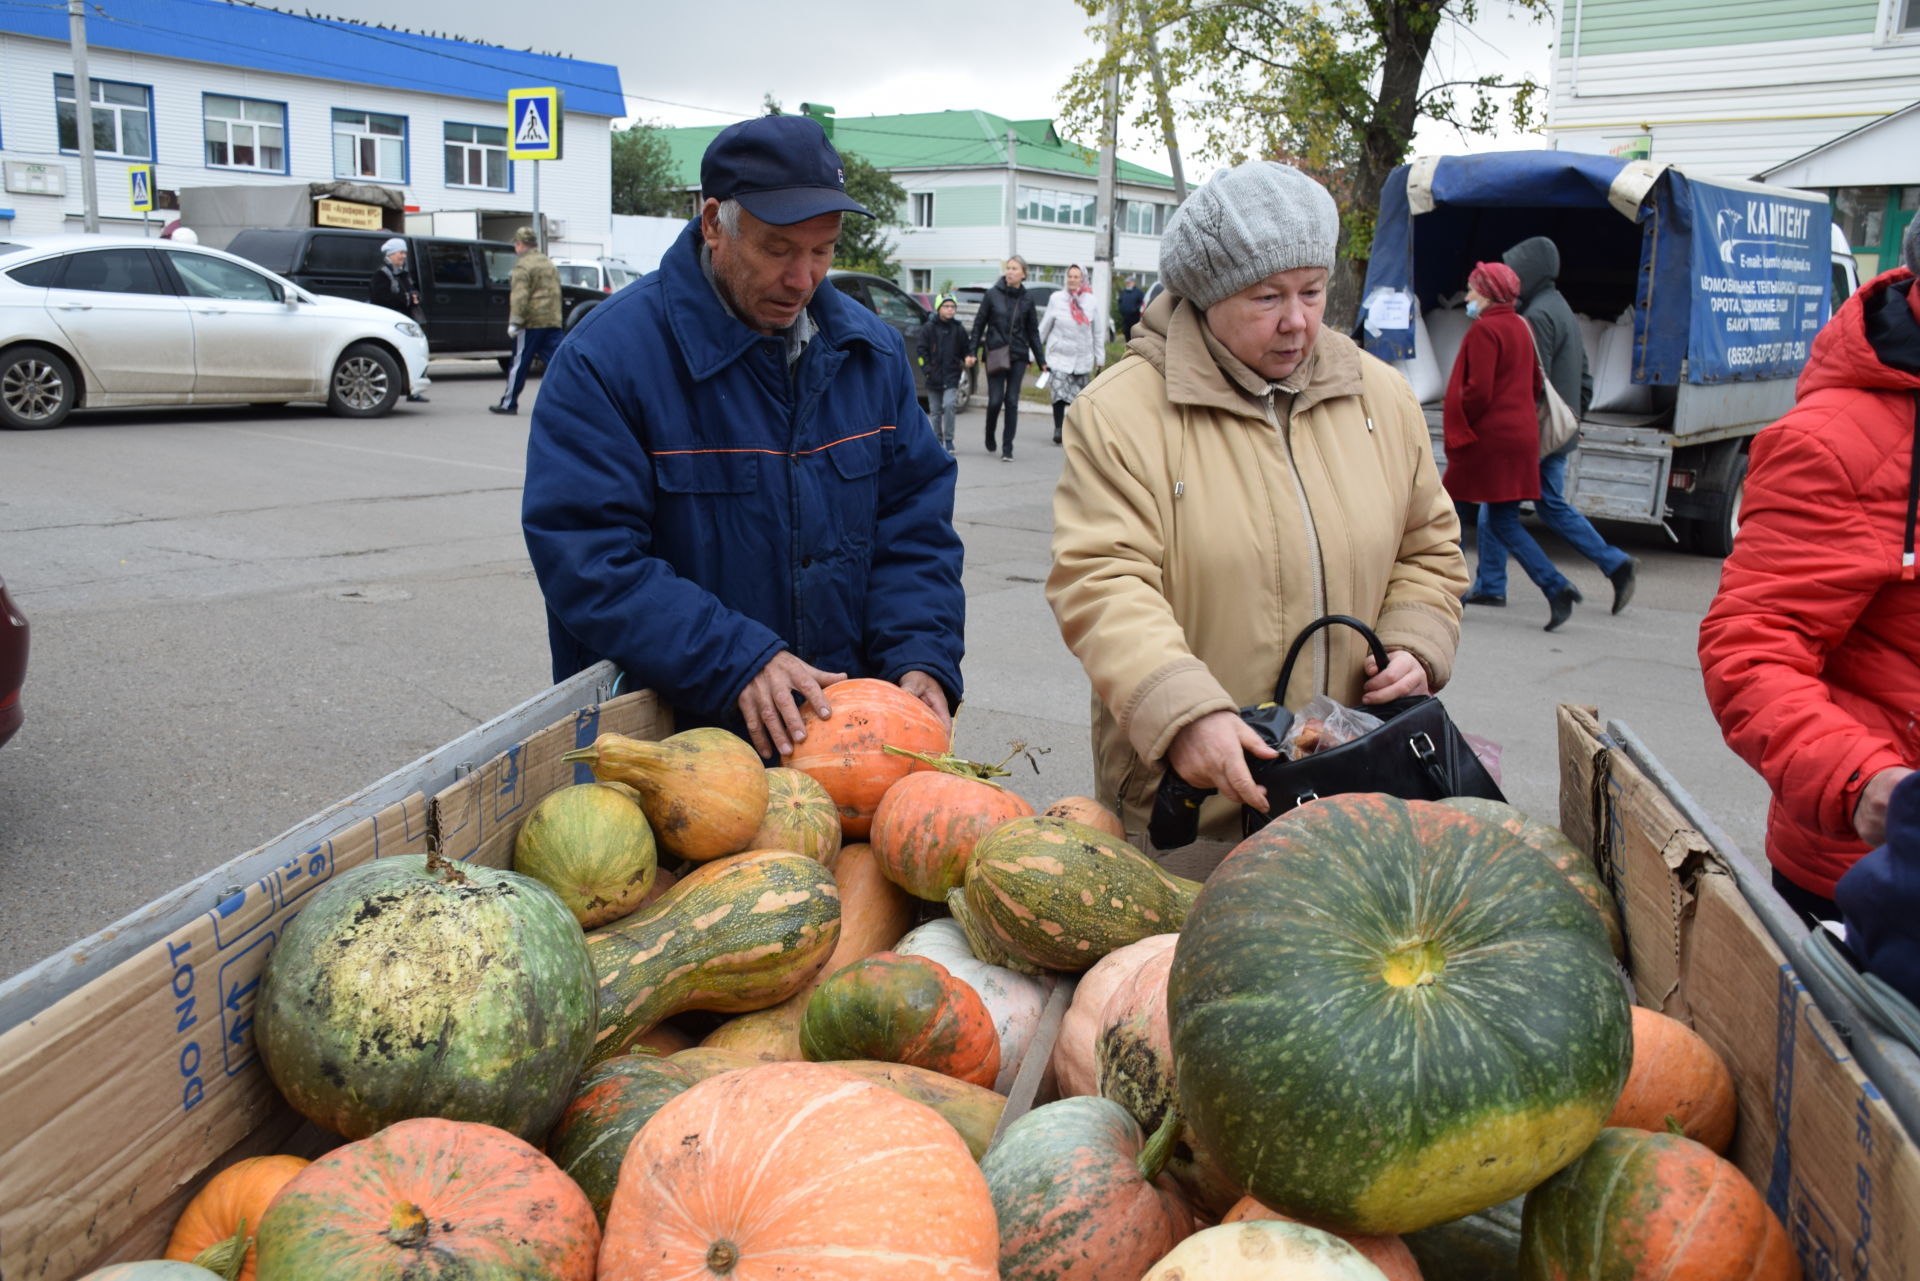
<point>113,271</point>
<point>890,304</point>
<point>922,280</point>
<point>499,267</point>
<point>367,144</point>
<point>38,275</point>
<point>1063,208</point>
<point>923,209</point>
<point>334,253</point>
<point>1861,213</point>
<point>1144,217</point>
<point>245,133</point>
<point>122,117</point>
<point>452,264</point>
<point>1909,23</point>
<point>209,277</point>
<point>584,275</point>
<point>477,156</point>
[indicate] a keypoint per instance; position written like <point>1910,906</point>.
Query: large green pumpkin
<point>403,990</point>
<point>612,1101</point>
<point>1388,1014</point>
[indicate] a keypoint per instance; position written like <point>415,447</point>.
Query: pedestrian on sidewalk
<point>941,348</point>
<point>533,320</point>
<point>1492,429</point>
<point>1243,471</point>
<point>1008,332</point>
<point>1131,301</point>
<point>1075,335</point>
<point>1556,335</point>
<point>393,287</point>
<point>1811,651</point>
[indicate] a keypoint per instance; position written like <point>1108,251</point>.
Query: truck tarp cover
<point>1733,276</point>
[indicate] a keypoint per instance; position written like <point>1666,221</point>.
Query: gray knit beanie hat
<point>1243,225</point>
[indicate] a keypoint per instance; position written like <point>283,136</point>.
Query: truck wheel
<point>1712,534</point>
<point>365,382</point>
<point>37,389</point>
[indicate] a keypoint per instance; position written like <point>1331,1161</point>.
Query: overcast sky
<point>708,63</point>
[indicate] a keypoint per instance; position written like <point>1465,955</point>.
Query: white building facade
<point>424,117</point>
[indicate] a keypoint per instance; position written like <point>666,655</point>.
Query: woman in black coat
<point>1009,331</point>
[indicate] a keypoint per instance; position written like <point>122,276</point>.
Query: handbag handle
<point>1300,642</point>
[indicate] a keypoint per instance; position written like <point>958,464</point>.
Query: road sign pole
<point>539,223</point>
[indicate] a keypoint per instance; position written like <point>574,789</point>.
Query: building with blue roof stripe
<point>218,94</point>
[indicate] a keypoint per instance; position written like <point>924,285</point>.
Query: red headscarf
<point>1496,282</point>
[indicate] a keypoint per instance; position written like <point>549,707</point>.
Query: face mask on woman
<point>1473,311</point>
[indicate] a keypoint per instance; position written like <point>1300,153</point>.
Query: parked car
<point>13,663</point>
<point>898,308</point>
<point>465,285</point>
<point>605,274</point>
<point>91,322</point>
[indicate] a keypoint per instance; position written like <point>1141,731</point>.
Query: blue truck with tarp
<point>1698,300</point>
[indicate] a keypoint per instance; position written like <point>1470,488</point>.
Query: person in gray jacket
<point>1556,336</point>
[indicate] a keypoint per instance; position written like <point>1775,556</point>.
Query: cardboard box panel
<point>150,1071</point>
<point>1815,1135</point>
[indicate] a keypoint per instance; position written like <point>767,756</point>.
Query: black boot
<point>1059,418</point>
<point>1623,583</point>
<point>1560,606</point>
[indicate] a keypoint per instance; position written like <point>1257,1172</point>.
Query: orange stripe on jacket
<point>777,453</point>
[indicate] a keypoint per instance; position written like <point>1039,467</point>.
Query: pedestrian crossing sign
<point>534,121</point>
<point>140,187</point>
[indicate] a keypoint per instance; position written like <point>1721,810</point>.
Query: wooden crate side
<point>122,1093</point>
<point>1814,1134</point>
<point>476,818</point>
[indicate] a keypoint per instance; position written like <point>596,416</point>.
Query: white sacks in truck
<point>1614,391</point>
<point>1429,382</point>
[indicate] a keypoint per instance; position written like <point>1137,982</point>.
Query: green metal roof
<point>934,140</point>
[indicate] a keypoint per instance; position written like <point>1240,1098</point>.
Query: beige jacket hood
<point>1204,517</point>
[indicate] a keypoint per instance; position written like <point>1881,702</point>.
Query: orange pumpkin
<point>928,823</point>
<point>1676,1075</point>
<point>1084,809</point>
<point>874,913</point>
<point>847,752</point>
<point>1076,1050</point>
<point>1636,1204</point>
<point>800,817</point>
<point>802,1171</point>
<point>1387,1253</point>
<point>472,1199</point>
<point>241,1192</point>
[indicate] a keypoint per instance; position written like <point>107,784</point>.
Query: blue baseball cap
<point>782,170</point>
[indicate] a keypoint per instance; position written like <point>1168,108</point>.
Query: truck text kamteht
<point>1698,302</point>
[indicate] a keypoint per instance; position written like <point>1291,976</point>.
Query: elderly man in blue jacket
<point>731,489</point>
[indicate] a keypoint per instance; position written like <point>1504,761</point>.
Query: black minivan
<point>464,284</point>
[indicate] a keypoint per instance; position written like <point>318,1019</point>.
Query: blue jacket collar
<point>710,339</point>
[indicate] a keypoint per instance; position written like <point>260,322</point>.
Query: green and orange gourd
<point>902,1009</point>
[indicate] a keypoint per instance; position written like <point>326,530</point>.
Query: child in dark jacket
<point>942,349</point>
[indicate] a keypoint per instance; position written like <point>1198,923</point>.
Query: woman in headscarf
<point>1075,333</point>
<point>1241,473</point>
<point>1492,426</point>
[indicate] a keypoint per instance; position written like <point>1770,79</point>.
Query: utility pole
<point>1104,207</point>
<point>83,111</point>
<point>1013,194</point>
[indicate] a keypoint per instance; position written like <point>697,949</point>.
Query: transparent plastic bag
<point>1323,723</point>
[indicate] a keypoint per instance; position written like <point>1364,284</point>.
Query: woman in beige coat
<point>1240,473</point>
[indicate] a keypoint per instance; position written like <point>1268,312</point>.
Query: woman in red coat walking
<point>1493,427</point>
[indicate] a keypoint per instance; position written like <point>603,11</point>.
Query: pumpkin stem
<point>948,763</point>
<point>408,1226</point>
<point>589,754</point>
<point>444,868</point>
<point>1153,1157</point>
<point>1674,1126</point>
<point>228,1256</point>
<point>721,1256</point>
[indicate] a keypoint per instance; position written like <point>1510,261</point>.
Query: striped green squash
<point>1388,1014</point>
<point>739,933</point>
<point>610,1103</point>
<point>1559,851</point>
<point>1045,893</point>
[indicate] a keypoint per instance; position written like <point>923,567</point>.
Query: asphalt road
<point>242,615</point>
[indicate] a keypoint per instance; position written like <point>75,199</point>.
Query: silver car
<point>92,322</point>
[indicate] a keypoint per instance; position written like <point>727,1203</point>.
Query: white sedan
<point>89,322</point>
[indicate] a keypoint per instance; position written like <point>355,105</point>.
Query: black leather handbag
<point>1416,754</point>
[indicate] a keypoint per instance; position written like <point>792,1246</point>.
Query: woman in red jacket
<point>1493,428</point>
<point>1811,651</point>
